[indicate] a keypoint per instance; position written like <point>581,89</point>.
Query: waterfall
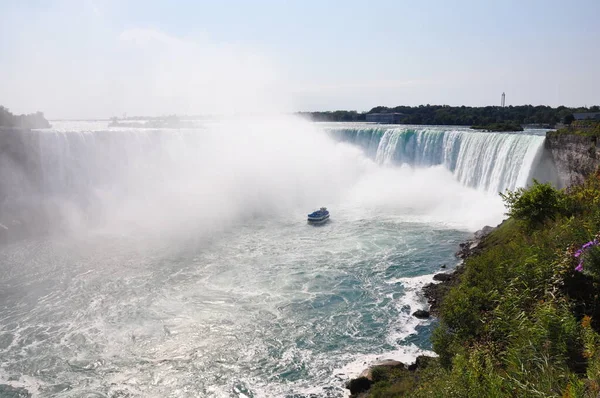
<point>493,162</point>
<point>227,171</point>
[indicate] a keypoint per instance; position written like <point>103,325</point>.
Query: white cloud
<point>141,36</point>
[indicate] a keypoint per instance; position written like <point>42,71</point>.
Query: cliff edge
<point>575,156</point>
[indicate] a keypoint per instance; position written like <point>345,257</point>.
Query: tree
<point>568,119</point>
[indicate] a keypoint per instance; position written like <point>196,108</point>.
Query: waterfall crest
<point>492,162</point>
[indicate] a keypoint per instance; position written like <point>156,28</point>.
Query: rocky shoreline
<point>359,387</point>
<point>434,293</point>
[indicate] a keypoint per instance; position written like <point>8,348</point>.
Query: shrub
<point>442,345</point>
<point>534,205</point>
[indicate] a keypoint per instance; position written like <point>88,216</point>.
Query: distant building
<point>587,116</point>
<point>385,118</point>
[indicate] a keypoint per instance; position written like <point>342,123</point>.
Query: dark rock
<point>358,385</point>
<point>472,246</point>
<point>466,249</point>
<point>429,291</point>
<point>442,277</point>
<point>435,292</point>
<point>421,314</point>
<point>443,266</point>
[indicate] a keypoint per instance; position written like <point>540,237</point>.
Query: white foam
<point>411,301</point>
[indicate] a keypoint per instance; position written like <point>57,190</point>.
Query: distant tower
<point>503,100</point>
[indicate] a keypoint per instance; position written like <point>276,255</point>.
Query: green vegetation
<point>31,121</point>
<point>395,381</point>
<point>589,128</point>
<point>462,115</point>
<point>533,206</point>
<point>503,126</point>
<point>523,321</point>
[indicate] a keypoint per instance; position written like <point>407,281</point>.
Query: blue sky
<point>96,58</point>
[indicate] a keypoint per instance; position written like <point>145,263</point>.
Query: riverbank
<point>522,317</point>
<point>435,294</point>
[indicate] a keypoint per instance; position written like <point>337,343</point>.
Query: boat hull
<point>319,220</point>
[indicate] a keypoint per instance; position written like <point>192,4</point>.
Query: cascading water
<point>493,162</point>
<point>184,265</point>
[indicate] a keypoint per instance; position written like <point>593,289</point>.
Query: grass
<point>522,322</point>
<point>586,128</point>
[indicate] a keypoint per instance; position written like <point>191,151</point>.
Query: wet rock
<point>421,314</point>
<point>443,266</point>
<point>435,292</point>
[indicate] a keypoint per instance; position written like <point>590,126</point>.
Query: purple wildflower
<point>579,252</point>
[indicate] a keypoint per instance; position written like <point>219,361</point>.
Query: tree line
<point>31,121</point>
<point>461,115</point>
